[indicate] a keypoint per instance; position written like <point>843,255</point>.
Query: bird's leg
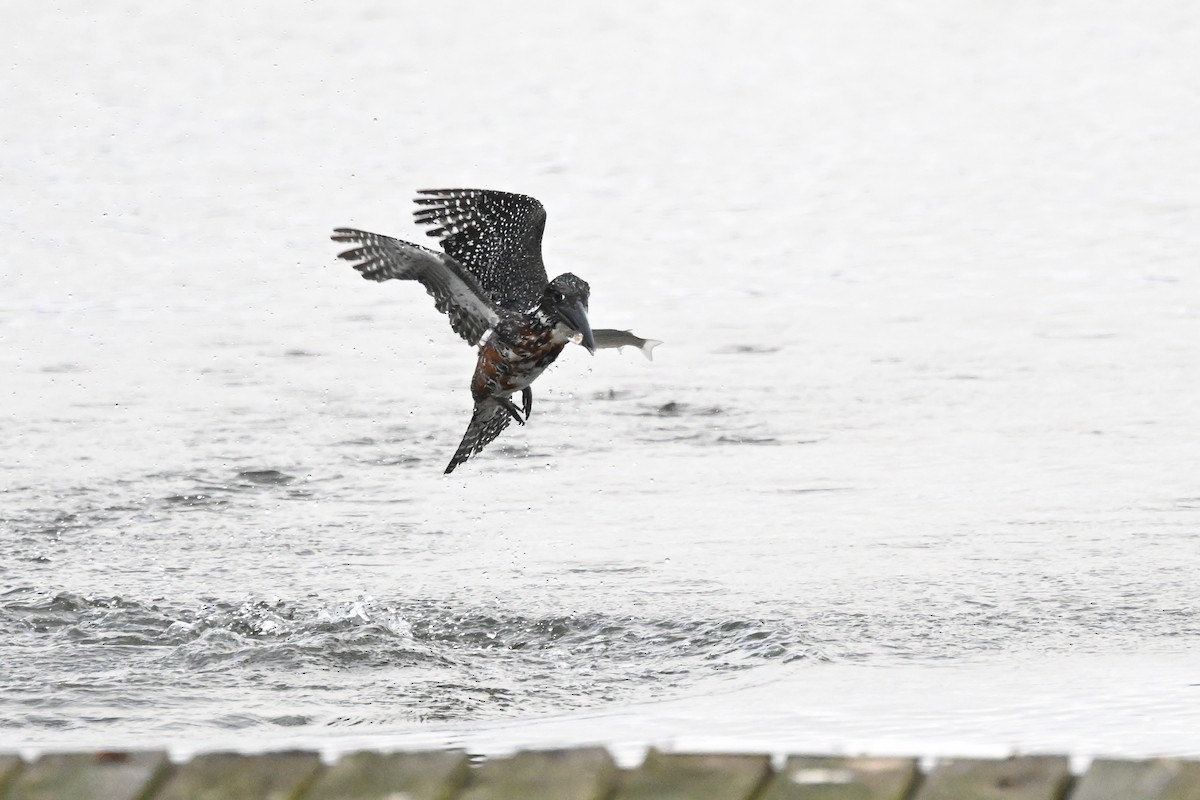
<point>512,410</point>
<point>527,401</point>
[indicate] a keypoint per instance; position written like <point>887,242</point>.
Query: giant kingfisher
<point>491,283</point>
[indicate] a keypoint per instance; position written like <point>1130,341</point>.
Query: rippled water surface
<point>916,468</point>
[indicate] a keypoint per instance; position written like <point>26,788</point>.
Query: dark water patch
<point>608,569</point>
<point>60,522</point>
<point>745,439</point>
<point>732,642</point>
<point>965,627</point>
<point>747,349</point>
<point>516,450</point>
<point>362,441</point>
<point>704,425</point>
<point>290,720</point>
<point>397,461</point>
<point>78,618</point>
<point>236,721</point>
<point>65,368</point>
<point>196,500</point>
<point>51,524</point>
<point>215,492</point>
<point>675,408</point>
<point>676,437</point>
<point>42,721</point>
<point>267,477</point>
<point>398,447</point>
<point>612,394</point>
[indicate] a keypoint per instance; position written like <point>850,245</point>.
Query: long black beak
<point>575,315</point>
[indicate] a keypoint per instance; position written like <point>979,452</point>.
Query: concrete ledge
<point>583,774</point>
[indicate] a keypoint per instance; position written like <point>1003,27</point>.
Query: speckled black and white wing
<point>488,420</point>
<point>456,292</point>
<point>495,235</point>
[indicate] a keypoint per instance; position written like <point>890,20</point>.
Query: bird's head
<point>565,300</point>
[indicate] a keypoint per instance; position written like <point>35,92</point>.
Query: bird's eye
<point>557,296</point>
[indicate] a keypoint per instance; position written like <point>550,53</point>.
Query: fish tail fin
<point>647,348</point>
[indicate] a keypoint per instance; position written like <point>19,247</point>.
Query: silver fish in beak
<point>607,337</point>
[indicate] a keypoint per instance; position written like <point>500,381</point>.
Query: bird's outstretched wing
<point>487,421</point>
<point>495,235</point>
<point>456,292</point>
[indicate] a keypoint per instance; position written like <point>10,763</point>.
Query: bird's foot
<point>527,401</point>
<point>512,410</point>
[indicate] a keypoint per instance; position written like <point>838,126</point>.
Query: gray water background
<point>916,468</point>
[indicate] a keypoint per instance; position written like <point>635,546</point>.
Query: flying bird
<point>491,283</point>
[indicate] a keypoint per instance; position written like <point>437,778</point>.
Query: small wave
<point>208,491</point>
<point>741,439</point>
<point>747,349</point>
<point>674,408</point>
<point>267,477</point>
<point>196,500</point>
<point>441,661</point>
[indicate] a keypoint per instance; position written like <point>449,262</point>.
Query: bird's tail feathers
<point>488,420</point>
